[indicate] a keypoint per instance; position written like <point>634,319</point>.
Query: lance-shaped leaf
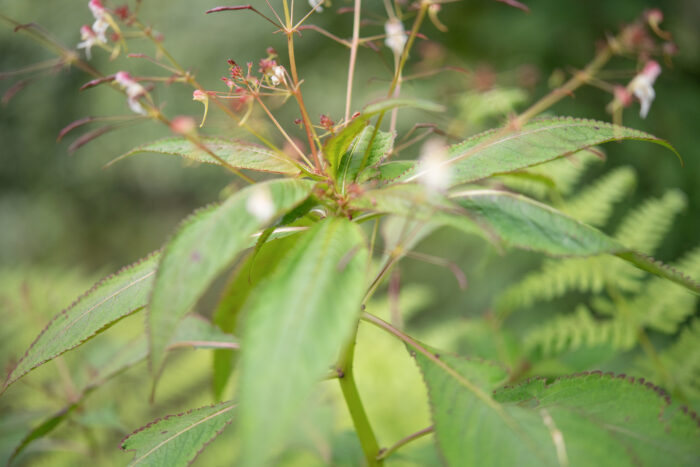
<point>510,220</point>
<point>336,146</point>
<point>110,300</point>
<point>524,223</point>
<point>193,331</point>
<point>350,163</point>
<point>176,440</point>
<point>204,246</point>
<point>297,323</point>
<point>501,151</point>
<point>587,419</point>
<point>247,275</point>
<point>238,154</point>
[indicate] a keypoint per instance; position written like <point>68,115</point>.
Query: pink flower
<point>102,19</point>
<point>89,39</point>
<point>642,86</point>
<point>97,9</point>
<point>133,91</point>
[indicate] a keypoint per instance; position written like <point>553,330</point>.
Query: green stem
<point>346,377</point>
<point>417,435</point>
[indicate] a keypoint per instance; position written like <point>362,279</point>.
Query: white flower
<point>133,91</point>
<point>260,204</point>
<point>316,5</point>
<point>100,27</point>
<point>89,39</point>
<point>434,169</point>
<point>101,23</point>
<point>642,86</point>
<point>97,9</point>
<point>395,35</point>
<point>277,75</point>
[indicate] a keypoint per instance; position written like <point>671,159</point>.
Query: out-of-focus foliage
<point>62,217</point>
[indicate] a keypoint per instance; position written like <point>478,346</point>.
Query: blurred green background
<point>64,221</point>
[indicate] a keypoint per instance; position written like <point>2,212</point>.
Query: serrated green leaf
<point>239,154</point>
<point>523,223</point>
<point>591,419</point>
<point>193,331</point>
<point>511,220</point>
<point>110,300</point>
<point>611,420</point>
<point>243,280</point>
<point>336,146</point>
<point>203,247</point>
<point>176,440</point>
<point>386,173</point>
<point>296,325</point>
<point>492,153</point>
<point>350,163</point>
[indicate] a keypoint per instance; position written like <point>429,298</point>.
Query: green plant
<point>308,259</point>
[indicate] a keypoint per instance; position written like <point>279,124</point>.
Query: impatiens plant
<point>309,224</point>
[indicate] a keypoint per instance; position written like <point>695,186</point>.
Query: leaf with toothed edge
<point>239,154</point>
<point>204,245</point>
<point>176,440</point>
<point>511,220</point>
<point>110,300</point>
<point>350,162</point>
<point>295,325</point>
<point>539,141</point>
<point>335,147</point>
<point>193,331</point>
<point>586,419</point>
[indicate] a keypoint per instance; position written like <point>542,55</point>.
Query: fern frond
<point>559,176</point>
<point>645,227</point>
<point>582,329</point>
<point>594,204</point>
<point>567,171</point>
<point>556,278</point>
<point>682,361</point>
<point>663,306</point>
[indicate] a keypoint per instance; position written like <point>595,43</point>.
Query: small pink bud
<point>652,70</point>
<point>623,96</point>
<point>183,125</point>
<point>654,15</point>
<point>200,96</point>
<point>97,9</point>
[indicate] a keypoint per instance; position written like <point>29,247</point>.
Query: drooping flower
<point>434,170</point>
<point>133,91</point>
<point>395,35</point>
<point>642,86</point>
<point>89,39</point>
<point>260,204</point>
<point>316,5</point>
